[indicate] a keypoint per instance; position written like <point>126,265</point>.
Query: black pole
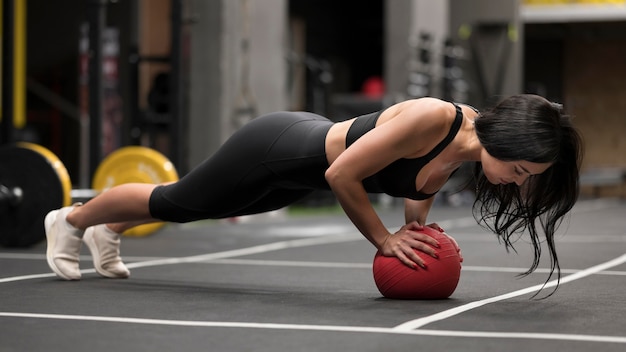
<point>97,21</point>
<point>133,96</point>
<point>8,45</point>
<point>177,114</point>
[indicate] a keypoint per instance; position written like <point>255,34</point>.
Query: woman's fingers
<point>436,226</point>
<point>409,244</point>
<point>456,245</point>
<point>412,263</point>
<point>404,242</point>
<point>423,238</point>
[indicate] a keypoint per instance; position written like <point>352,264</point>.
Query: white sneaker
<point>104,245</point>
<point>64,242</point>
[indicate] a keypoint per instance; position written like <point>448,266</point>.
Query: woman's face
<point>505,172</point>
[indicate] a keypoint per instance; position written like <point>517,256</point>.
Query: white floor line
<point>418,323</point>
<point>26,277</point>
<point>407,328</point>
<point>584,206</point>
<point>293,263</point>
<point>338,265</point>
<point>457,223</point>
<point>86,258</point>
<point>288,263</point>
<point>328,328</point>
<point>335,238</point>
<point>37,276</point>
<point>305,242</point>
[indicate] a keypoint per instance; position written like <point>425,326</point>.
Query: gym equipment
<point>420,78</point>
<point>455,87</point>
<point>31,184</point>
<point>437,281</point>
<point>137,165</point>
<point>34,181</point>
<point>491,45</point>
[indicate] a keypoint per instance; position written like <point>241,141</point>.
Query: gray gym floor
<point>305,284</point>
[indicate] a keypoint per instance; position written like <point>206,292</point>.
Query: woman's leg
<point>238,179</point>
<point>243,176</point>
<point>120,227</point>
<point>122,206</point>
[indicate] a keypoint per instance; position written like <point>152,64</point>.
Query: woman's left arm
<point>406,134</point>
<point>417,210</point>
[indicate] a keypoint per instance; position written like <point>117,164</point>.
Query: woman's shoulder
<point>424,113</point>
<point>416,125</point>
<point>424,103</point>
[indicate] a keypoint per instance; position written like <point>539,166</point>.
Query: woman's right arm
<point>417,210</point>
<point>409,133</point>
<point>355,203</point>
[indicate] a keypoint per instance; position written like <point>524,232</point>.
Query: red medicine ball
<point>437,281</point>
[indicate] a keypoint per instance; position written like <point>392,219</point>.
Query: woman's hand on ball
<point>436,226</point>
<point>401,245</point>
<point>456,245</point>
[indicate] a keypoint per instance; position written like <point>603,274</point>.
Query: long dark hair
<point>530,128</point>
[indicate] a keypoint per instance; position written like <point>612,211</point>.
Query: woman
<point>527,152</point>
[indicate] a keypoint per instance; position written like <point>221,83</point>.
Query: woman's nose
<point>520,179</point>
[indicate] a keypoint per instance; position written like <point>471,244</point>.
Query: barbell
<point>33,181</point>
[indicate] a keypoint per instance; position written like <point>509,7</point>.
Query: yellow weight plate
<point>57,165</point>
<point>134,164</point>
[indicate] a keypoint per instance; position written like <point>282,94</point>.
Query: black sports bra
<point>398,178</point>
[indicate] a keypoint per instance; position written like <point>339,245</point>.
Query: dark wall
<point>348,33</point>
<point>53,31</point>
<point>583,66</point>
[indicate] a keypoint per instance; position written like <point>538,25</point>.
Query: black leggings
<point>273,161</point>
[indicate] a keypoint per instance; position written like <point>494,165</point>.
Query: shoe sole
<point>95,254</point>
<point>51,239</point>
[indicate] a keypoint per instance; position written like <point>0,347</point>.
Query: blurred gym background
<point>85,77</point>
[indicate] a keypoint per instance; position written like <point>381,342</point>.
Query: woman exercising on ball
<point>528,156</point>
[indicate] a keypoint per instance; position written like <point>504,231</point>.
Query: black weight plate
<point>22,225</point>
